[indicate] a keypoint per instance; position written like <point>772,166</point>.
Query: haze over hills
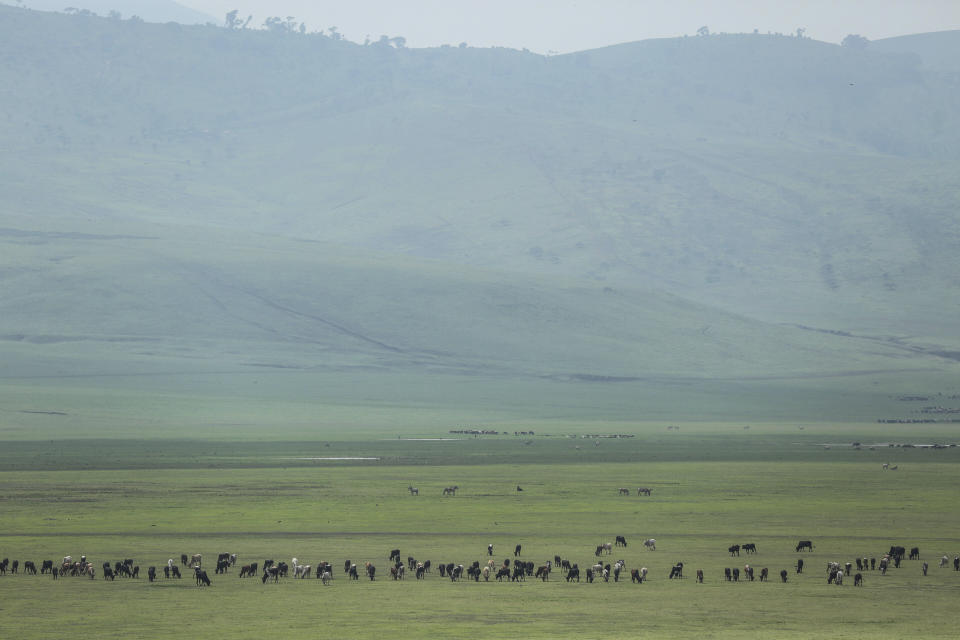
<point>194,200</point>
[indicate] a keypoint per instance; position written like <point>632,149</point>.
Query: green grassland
<point>713,485</point>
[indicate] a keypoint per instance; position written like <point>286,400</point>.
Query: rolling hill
<point>737,210</point>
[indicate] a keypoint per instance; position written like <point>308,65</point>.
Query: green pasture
<point>770,484</point>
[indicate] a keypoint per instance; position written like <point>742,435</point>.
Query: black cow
<point>736,574</point>
<point>166,571</point>
<point>371,571</point>
<point>107,571</point>
<point>799,565</point>
<point>516,551</point>
<point>805,544</point>
<point>750,547</point>
<point>621,541</point>
<point>727,575</point>
<point>151,573</point>
<point>183,559</point>
<point>897,552</point>
<point>201,576</point>
<point>858,580</point>
<point>353,572</point>
<point>175,571</point>
<point>519,569</point>
<point>590,575</point>
<point>956,563</point>
<point>677,571</point>
<point>394,554</point>
<point>700,576</point>
<point>763,574</point>
<point>783,575</point>
<point>270,572</point>
<point>734,550</point>
<point>915,553</point>
<point>14,566</point>
<point>248,570</point>
<point>46,566</point>
<point>29,567</point>
<point>573,573</point>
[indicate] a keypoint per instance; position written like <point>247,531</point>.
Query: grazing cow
<point>677,571</point>
<point>414,491</point>
<point>884,561</point>
<point>201,576</point>
<point>346,566</point>
<point>763,574</point>
<point>858,580</point>
<point>166,572</point>
<point>783,575</point>
<point>924,568</point>
<point>848,568</point>
<point>394,554</point>
<point>89,570</point>
<point>700,576</point>
<point>326,577</point>
<point>183,559</point>
<point>727,575</point>
<point>621,541</point>
<point>590,576</point>
<point>873,564</point>
<point>943,562</point>
<point>450,491</point>
<point>915,553</point>
<point>516,551</point>
<point>519,569</point>
<point>543,572</point>
<point>748,572</point>
<point>897,553</point>
<point>736,574</point>
<point>503,572</point>
<point>352,572</point>
<point>750,547</point>
<point>956,563</point>
<point>196,560</point>
<point>623,491</point>
<point>371,571</point>
<point>734,550</point>
<point>805,544</point>
<point>650,544</point>
<point>573,573</point>
<point>456,573</point>
<point>606,547</point>
<point>46,566</point>
<point>636,576</point>
<point>799,565</point>
<point>838,579</point>
<point>248,570</point>
<point>270,572</point>
<point>151,573</point>
<point>643,491</point>
<point>29,567</point>
<point>16,565</point>
<point>426,566</point>
<point>107,572</point>
<point>859,564</point>
<point>303,571</point>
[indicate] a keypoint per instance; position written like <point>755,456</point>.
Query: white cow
<point>650,544</point>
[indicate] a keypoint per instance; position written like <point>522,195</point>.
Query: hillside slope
<point>731,208</point>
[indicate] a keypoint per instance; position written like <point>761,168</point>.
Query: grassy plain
<point>713,485</point>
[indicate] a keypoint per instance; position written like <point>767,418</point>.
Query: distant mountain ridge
<point>148,10</point>
<point>723,207</point>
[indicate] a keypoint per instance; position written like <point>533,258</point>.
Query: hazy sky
<point>571,25</point>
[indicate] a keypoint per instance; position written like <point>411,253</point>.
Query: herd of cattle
<point>513,571</point>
